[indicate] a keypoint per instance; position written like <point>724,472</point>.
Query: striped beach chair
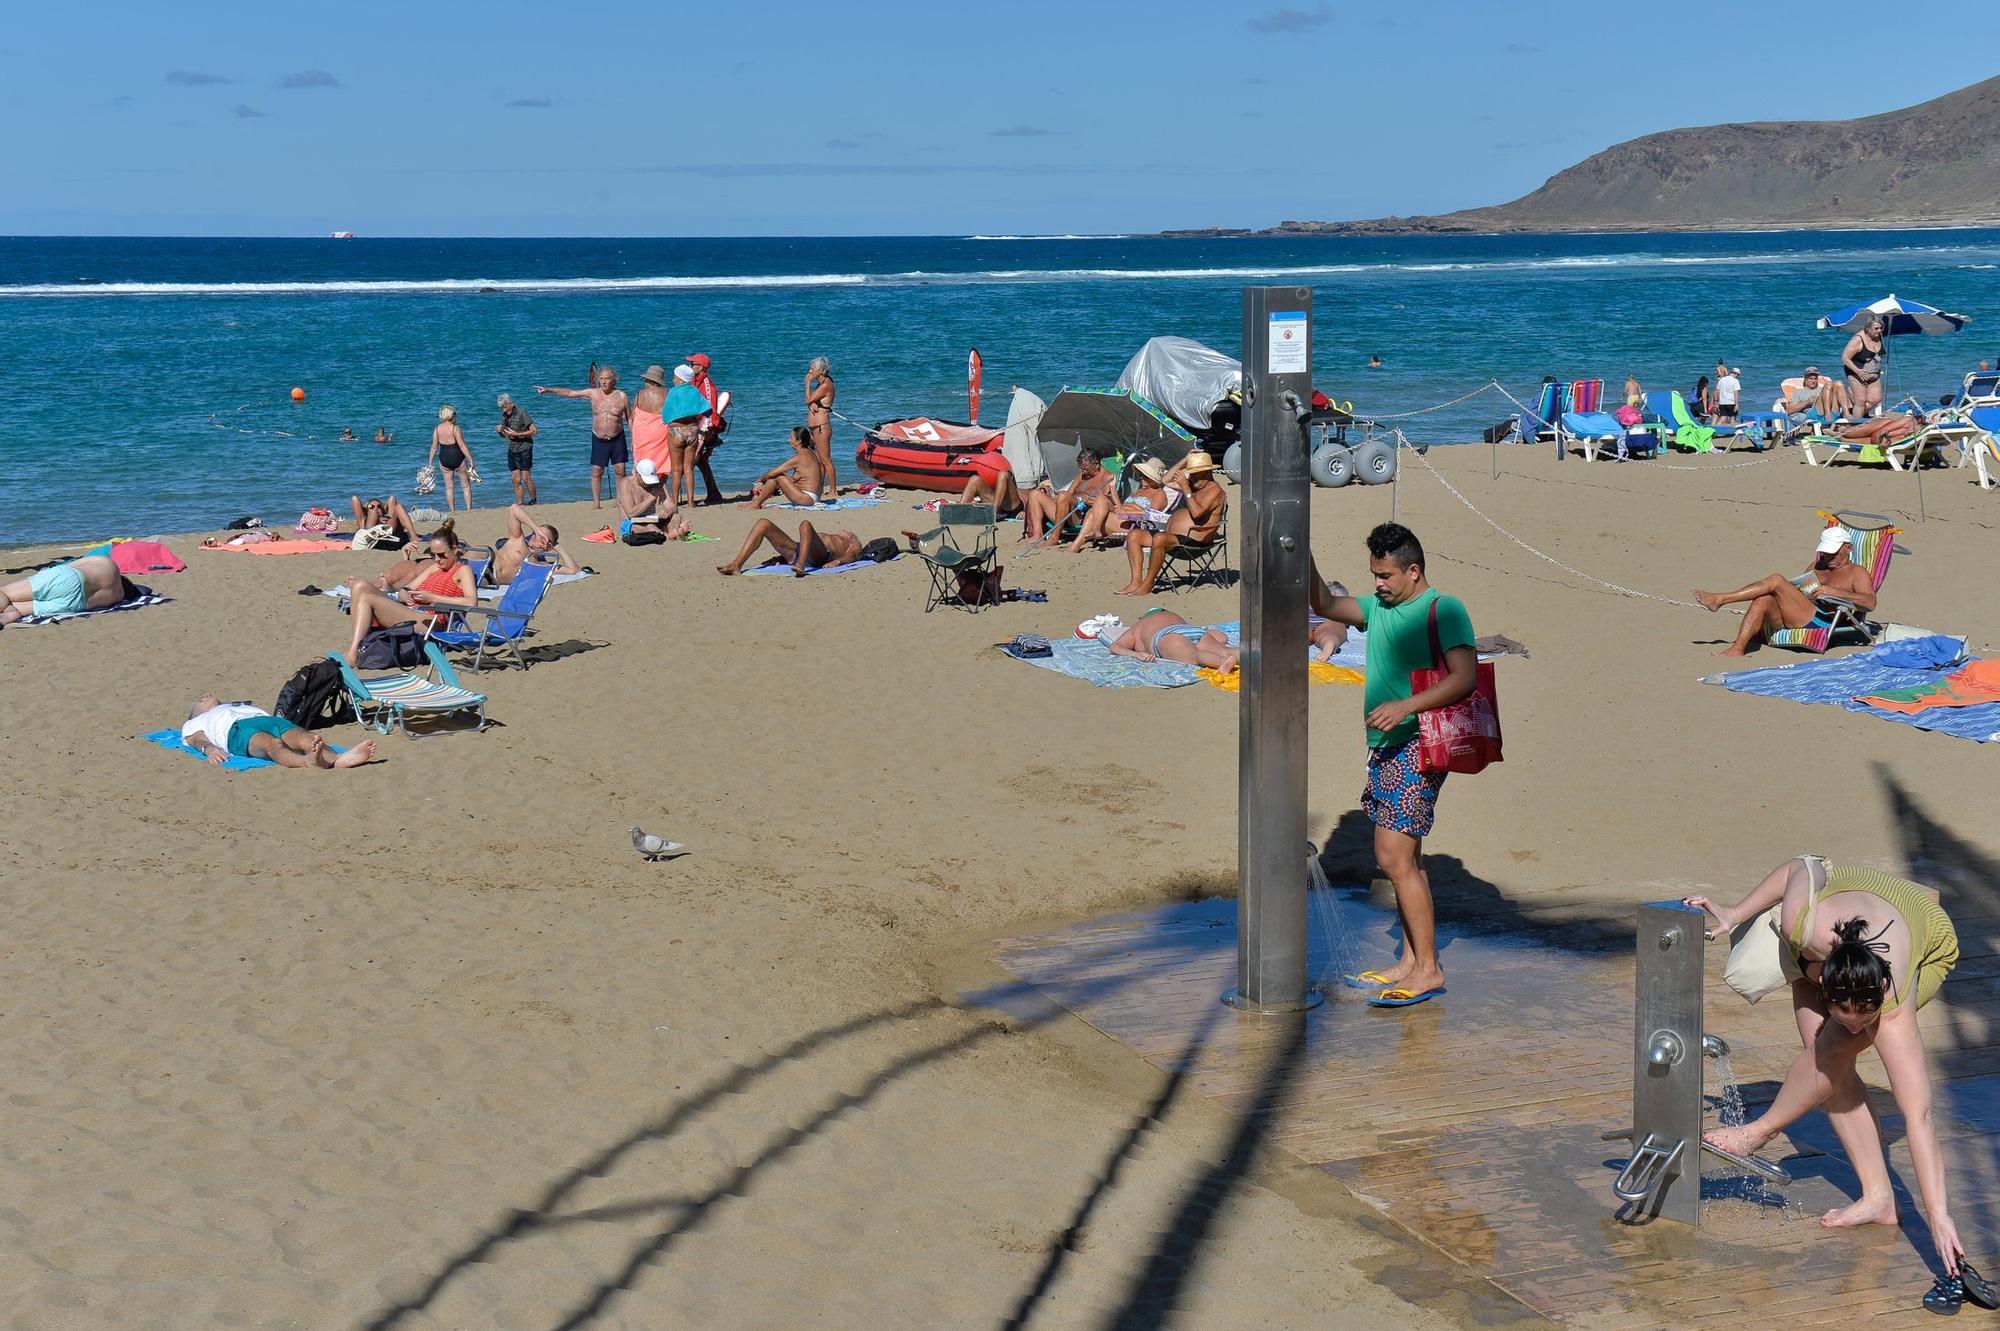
<point>1872,546</point>
<point>1584,395</point>
<point>388,702</point>
<point>1542,423</point>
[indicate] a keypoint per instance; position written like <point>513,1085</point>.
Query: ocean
<point>146,382</point>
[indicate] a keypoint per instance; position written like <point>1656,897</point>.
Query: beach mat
<point>844,501</point>
<point>1841,681</point>
<point>147,596</point>
<point>279,548</point>
<point>786,568</point>
<point>1317,672</point>
<point>171,739</point>
<point>1090,660</point>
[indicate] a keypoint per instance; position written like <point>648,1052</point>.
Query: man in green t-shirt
<point>1400,799</point>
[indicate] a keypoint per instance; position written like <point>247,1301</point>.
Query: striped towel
<point>146,597</point>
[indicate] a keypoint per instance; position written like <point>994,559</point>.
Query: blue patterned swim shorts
<point>1398,796</point>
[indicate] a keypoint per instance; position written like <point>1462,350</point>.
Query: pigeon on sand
<point>651,847</point>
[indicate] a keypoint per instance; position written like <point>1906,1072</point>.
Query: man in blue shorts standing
<point>1399,799</point>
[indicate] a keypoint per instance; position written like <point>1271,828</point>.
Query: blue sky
<point>505,118</point>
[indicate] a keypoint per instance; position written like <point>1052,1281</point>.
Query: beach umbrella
<point>1113,420</point>
<point>1900,318</point>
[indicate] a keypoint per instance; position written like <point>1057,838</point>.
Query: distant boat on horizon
<point>341,235</point>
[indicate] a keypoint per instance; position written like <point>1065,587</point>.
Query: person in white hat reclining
<point>1776,602</point>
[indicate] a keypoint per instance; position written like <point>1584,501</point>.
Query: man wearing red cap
<point>711,425</point>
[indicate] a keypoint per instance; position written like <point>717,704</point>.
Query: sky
<point>897,117</point>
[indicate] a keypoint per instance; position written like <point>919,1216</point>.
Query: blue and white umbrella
<point>1899,317</point>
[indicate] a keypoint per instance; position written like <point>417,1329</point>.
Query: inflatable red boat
<point>925,454</point>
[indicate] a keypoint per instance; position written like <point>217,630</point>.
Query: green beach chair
<point>960,553</point>
<point>389,701</point>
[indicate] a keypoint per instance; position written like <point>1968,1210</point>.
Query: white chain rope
<point>1403,446</point>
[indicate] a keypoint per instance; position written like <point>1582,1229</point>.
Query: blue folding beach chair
<point>502,624</point>
<point>389,702</point>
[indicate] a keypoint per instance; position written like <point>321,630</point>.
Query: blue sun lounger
<point>1596,431</point>
<point>502,624</point>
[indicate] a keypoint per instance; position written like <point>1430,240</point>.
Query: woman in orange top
<point>448,583</point>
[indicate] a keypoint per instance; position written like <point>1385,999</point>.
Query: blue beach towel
<point>855,567</point>
<point>843,501</point>
<point>171,739</point>
<point>1089,659</point>
<point>1353,652</point>
<point>1839,681</point>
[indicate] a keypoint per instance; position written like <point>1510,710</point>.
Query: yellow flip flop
<point>1366,980</point>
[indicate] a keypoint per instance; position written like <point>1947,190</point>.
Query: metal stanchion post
<point>1271,744</point>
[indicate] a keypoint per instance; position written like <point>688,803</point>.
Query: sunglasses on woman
<point>1859,1002</point>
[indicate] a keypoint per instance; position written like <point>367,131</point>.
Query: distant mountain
<point>1937,164</point>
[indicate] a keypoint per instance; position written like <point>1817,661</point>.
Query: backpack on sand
<point>314,696</point>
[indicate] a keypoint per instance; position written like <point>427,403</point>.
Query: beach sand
<point>427,1044</point>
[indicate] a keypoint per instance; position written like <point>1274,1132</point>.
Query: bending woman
<point>448,583</point>
<point>1867,951</point>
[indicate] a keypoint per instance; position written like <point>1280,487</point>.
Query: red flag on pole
<point>973,368</point>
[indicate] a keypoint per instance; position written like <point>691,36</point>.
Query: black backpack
<point>646,535</point>
<point>314,697</point>
<point>882,549</point>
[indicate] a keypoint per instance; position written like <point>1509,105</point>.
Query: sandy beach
<point>426,1044</point>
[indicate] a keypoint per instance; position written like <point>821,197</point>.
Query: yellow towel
<point>1319,671</point>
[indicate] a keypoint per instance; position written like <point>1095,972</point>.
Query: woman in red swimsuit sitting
<point>449,582</point>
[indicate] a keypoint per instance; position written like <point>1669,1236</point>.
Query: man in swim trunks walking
<point>1776,602</point>
<point>1400,798</point>
<point>90,583</point>
<point>819,420</point>
<point>812,550</point>
<point>609,411</point>
<point>519,431</point>
<point>221,730</point>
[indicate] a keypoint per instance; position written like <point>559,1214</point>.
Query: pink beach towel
<point>283,547</point>
<point>145,557</point>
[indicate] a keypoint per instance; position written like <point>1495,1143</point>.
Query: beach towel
<point>1317,672</point>
<point>147,596</point>
<point>171,739</point>
<point>300,547</point>
<point>1091,660</point>
<point>842,501</point>
<point>1840,681</point>
<point>139,556</point>
<point>1978,683</point>
<point>784,566</point>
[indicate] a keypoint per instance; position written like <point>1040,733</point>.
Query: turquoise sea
<point>144,382</point>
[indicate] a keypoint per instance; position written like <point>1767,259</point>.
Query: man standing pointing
<point>1400,799</point>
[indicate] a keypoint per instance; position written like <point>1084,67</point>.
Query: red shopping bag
<point>1465,736</point>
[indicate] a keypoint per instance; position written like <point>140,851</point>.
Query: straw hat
<point>1197,460</point>
<point>1151,469</point>
<point>655,375</point>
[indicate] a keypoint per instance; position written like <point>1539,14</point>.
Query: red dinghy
<point>922,453</point>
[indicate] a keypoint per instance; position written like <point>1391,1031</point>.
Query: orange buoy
<point>298,395</point>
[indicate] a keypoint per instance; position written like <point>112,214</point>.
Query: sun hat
<point>1197,460</point>
<point>1833,538</point>
<point>1151,469</point>
<point>700,359</point>
<point>683,374</point>
<point>654,375</point>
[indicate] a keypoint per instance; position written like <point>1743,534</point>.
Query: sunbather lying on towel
<point>810,551</point>
<point>447,583</point>
<point>225,730</point>
<point>528,539</point>
<point>1776,602</point>
<point>90,583</point>
<point>1890,429</point>
<point>1162,635</point>
<point>992,482</point>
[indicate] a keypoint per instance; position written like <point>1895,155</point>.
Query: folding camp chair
<point>960,553</point>
<point>1199,558</point>
<point>1872,547</point>
<point>502,624</point>
<point>388,702</point>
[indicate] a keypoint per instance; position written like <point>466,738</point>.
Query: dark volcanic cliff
<point>1931,165</point>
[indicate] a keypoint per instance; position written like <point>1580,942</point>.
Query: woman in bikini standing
<point>1863,363</point>
<point>449,450</point>
<point>1865,951</point>
<point>448,583</point>
<point>819,420</point>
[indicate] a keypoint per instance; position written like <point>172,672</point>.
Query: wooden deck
<point>1473,1120</point>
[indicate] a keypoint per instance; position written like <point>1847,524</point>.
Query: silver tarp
<point>1183,377</point>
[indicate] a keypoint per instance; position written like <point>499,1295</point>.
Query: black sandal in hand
<point>1945,1296</point>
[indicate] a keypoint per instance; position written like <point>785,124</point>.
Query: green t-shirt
<point>1399,641</point>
